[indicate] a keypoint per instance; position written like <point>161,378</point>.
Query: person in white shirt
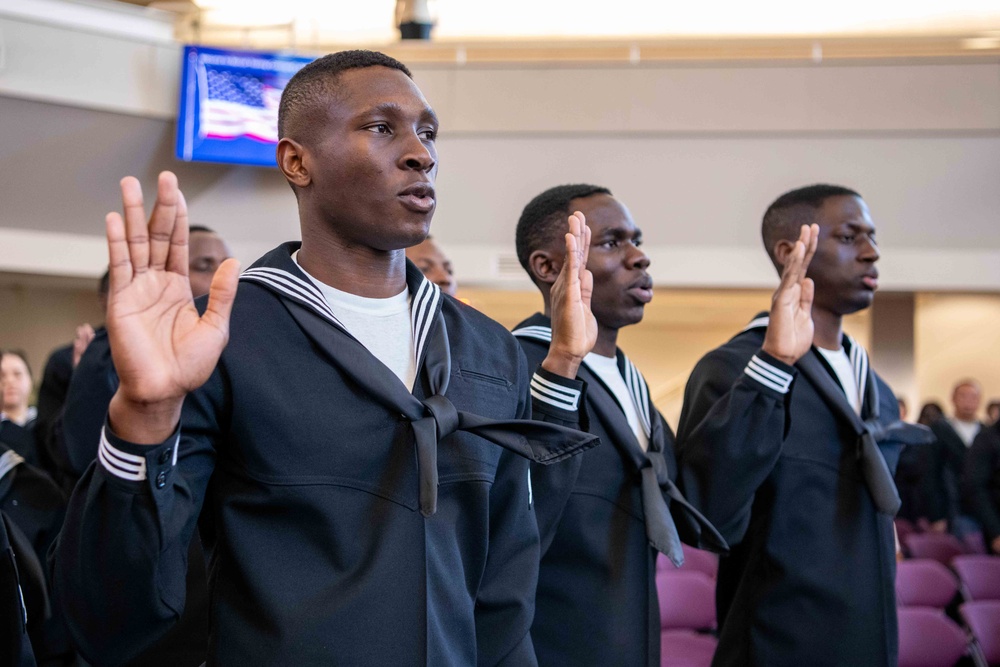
<point>946,458</point>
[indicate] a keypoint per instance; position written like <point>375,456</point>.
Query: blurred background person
<point>52,392</point>
<point>946,458</point>
<point>17,417</point>
<point>993,411</point>
<point>981,484</point>
<point>433,263</point>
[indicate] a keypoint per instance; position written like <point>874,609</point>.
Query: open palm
<point>790,330</point>
<point>162,347</point>
<point>574,327</point>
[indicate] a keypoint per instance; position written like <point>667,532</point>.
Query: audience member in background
<point>433,263</point>
<point>930,412</point>
<point>946,460</point>
<point>993,412</point>
<point>93,384</point>
<point>787,443</point>
<point>33,503</point>
<point>17,417</point>
<point>912,470</point>
<point>981,484</point>
<point>598,567</point>
<point>52,394</point>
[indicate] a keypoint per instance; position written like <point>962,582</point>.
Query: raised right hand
<point>161,347</point>
<point>790,330</point>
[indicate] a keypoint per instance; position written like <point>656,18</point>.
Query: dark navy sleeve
<point>730,435</point>
<point>562,401</point>
<point>557,400</point>
<point>119,566</point>
<point>507,594</point>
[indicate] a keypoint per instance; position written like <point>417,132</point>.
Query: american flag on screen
<point>238,103</point>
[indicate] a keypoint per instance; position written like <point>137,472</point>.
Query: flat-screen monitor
<point>229,104</point>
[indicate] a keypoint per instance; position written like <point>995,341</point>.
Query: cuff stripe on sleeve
<point>564,398</point>
<point>121,464</point>
<point>768,375</point>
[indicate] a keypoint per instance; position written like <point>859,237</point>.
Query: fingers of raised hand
<point>163,220</point>
<point>136,232</point>
<point>177,259</point>
<point>811,242</point>
<point>584,242</point>
<point>221,295</point>
<point>119,261</point>
<point>806,296</point>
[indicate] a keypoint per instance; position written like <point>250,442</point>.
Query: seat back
<point>922,582</point>
<point>980,576</point>
<point>938,546</point>
<point>983,618</point>
<point>928,638</point>
<point>687,600</point>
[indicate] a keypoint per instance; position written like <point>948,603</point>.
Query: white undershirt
<point>967,431</point>
<point>382,325</point>
<point>606,368</point>
<point>841,365</point>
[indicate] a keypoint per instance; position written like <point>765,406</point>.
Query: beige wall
<point>957,336</point>
<point>37,318</point>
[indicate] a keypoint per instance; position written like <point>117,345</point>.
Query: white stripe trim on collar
<point>8,461</point>
<point>537,332</point>
<point>293,286</point>
<point>757,322</point>
<point>422,310</point>
<point>859,363</point>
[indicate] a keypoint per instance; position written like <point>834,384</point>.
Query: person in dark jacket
<point>56,377</point>
<point>945,461</point>
<point>355,444</point>
<point>981,484</point>
<point>798,477</point>
<point>597,600</point>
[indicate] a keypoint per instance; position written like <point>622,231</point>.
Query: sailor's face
<point>843,267</point>
<point>622,287</point>
<point>374,160</point>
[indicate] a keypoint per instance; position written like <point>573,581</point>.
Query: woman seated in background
<point>17,418</point>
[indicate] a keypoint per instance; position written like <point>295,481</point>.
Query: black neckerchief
<point>433,418</point>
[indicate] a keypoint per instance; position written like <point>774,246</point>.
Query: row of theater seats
<point>948,592</point>
<point>948,602</point>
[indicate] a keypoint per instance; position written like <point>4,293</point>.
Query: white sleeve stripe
<point>765,381</point>
<point>118,472</point>
<point>770,371</point>
<point>555,396</point>
<point>569,392</point>
<point>121,464</point>
<point>768,375</point>
<point>563,405</point>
